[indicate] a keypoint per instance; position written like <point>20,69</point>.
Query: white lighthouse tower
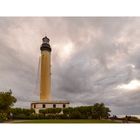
<point>45,81</point>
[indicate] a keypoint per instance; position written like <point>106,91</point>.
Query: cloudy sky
<point>93,60</point>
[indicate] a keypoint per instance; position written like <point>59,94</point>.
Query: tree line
<point>96,111</point>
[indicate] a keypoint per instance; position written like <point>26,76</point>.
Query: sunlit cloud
<point>64,51</point>
<point>133,66</point>
<point>132,85</point>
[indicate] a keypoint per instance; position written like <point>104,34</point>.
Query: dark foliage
<point>50,111</point>
<point>21,113</point>
<point>6,102</point>
<point>97,111</point>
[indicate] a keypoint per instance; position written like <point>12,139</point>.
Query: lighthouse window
<point>54,105</point>
<point>43,106</point>
<point>64,105</point>
<point>34,105</point>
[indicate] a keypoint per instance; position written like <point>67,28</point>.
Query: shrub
<point>20,116</point>
<point>3,117</point>
<point>75,115</point>
<point>68,111</point>
<point>43,111</point>
<point>36,116</point>
<point>63,116</point>
<point>50,111</point>
<point>21,113</point>
<point>41,116</point>
<point>53,110</point>
<point>51,117</point>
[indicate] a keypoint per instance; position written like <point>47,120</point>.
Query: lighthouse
<point>45,70</point>
<point>46,100</point>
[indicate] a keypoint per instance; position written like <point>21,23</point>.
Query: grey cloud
<point>103,51</point>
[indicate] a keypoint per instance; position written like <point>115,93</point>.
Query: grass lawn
<point>63,121</point>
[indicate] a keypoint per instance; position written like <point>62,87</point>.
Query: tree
<point>6,101</point>
<point>85,111</point>
<point>99,111</point>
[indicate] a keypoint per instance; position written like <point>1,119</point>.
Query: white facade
<point>44,105</point>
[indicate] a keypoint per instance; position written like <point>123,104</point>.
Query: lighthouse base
<point>39,105</point>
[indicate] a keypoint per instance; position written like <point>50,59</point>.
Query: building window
<point>34,105</point>
<point>54,105</point>
<point>64,105</point>
<point>43,105</point>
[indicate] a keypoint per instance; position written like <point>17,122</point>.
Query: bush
<point>56,116</point>
<point>43,111</point>
<point>85,111</point>
<point>53,110</point>
<point>63,116</point>
<point>68,111</point>
<point>75,115</point>
<point>20,116</point>
<point>36,116</point>
<point>50,111</point>
<point>33,116</point>
<point>21,113</point>
<point>51,117</point>
<point>3,117</point>
<point>97,111</point>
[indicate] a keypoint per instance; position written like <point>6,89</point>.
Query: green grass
<point>63,121</point>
